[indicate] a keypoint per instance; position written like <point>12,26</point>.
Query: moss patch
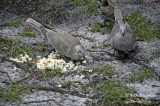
<point>42,46</point>
<point>102,27</point>
<point>155,53</point>
<point>28,33</point>
<point>12,93</point>
<point>105,45</point>
<point>14,22</point>
<point>49,72</point>
<point>103,68</point>
<point>67,84</point>
<point>142,27</point>
<point>87,6</point>
<point>13,48</point>
<point>146,73</point>
<point>114,92</point>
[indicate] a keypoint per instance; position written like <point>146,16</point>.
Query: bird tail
<point>37,26</point>
<point>118,15</point>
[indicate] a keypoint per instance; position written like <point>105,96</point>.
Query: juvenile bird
<point>64,43</point>
<point>107,11</point>
<point>122,36</point>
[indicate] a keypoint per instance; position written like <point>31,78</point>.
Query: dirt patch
<point>79,87</point>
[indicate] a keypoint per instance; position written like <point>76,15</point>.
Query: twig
<point>101,51</point>
<point>99,59</point>
<point>56,89</point>
<point>133,101</point>
<point>146,66</point>
<point>21,67</point>
<point>152,1</point>
<point>30,75</point>
<point>7,75</point>
<point>57,6</point>
<point>14,62</point>
<point>42,101</point>
<point>92,40</point>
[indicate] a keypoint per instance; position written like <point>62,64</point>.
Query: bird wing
<point>114,31</point>
<point>62,42</point>
<point>130,29</point>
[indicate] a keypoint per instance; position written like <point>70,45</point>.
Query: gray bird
<point>65,44</point>
<point>122,37</point>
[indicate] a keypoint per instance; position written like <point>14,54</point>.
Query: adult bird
<point>122,37</point>
<point>64,43</point>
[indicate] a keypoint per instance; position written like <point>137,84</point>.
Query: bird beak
<point>123,33</point>
<point>83,57</point>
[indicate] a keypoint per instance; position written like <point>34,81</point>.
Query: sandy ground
<point>79,24</point>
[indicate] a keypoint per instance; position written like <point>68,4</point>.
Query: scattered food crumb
<point>51,62</point>
<point>15,68</point>
<point>90,70</point>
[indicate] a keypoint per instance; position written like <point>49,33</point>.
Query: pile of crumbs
<point>51,62</point>
<point>23,58</point>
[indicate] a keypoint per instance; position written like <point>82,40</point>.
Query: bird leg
<point>121,54</point>
<point>67,59</point>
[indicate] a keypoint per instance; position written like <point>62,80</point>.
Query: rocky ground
<point>140,71</point>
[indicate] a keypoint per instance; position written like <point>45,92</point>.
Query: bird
<point>107,11</point>
<point>122,37</point>
<point>63,43</point>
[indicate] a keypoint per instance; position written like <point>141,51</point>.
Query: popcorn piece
<point>84,62</point>
<point>59,85</point>
<point>78,63</point>
<point>77,76</point>
<point>34,61</point>
<point>38,57</point>
<point>82,76</point>
<point>64,70</point>
<point>90,70</point>
<point>40,65</point>
<point>14,59</point>
<point>38,61</point>
<point>15,68</point>
<point>23,58</point>
<point>75,68</point>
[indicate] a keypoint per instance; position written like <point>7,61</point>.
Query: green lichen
<point>102,27</point>
<point>13,48</point>
<point>66,84</point>
<point>14,22</point>
<point>102,68</point>
<point>87,6</point>
<point>12,93</point>
<point>28,33</point>
<point>114,92</point>
<point>49,72</point>
<point>142,27</point>
<point>105,45</point>
<point>146,73</point>
<point>155,53</point>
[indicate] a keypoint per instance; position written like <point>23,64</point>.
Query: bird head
<point>79,52</point>
<point>122,29</point>
<point>103,3</point>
